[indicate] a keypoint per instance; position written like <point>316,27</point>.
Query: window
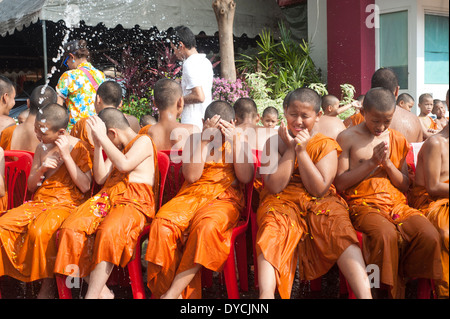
<point>436,49</point>
<point>394,44</point>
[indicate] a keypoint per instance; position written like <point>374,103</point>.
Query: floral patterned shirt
<point>78,92</point>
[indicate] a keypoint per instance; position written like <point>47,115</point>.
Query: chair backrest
<point>17,169</point>
<point>411,157</point>
<point>249,188</point>
<point>175,178</point>
<point>163,165</point>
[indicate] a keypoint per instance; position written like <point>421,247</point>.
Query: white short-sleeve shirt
<point>197,71</point>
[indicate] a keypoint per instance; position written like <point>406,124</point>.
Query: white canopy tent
<point>251,17</point>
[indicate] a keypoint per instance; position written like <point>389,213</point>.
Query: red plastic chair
<point>238,245</point>
<point>17,169</point>
<point>253,222</point>
<point>175,178</point>
<point>425,287</point>
<point>238,249</point>
<point>134,267</point>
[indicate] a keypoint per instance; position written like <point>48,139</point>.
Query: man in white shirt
<point>197,77</point>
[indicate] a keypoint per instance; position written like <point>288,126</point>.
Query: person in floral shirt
<point>77,87</point>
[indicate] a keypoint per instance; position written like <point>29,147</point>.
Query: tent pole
<point>44,40</point>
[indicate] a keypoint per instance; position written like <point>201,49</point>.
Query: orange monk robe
<point>27,233</point>
<point>436,210</point>
<point>354,120</point>
<point>79,131</point>
<point>433,125</point>
<point>106,227</point>
<point>194,227</point>
<point>144,130</point>
<point>293,224</point>
<point>6,137</point>
<point>4,202</point>
<point>376,195</point>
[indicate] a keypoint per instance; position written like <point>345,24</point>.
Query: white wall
<point>317,34</point>
<point>416,43</point>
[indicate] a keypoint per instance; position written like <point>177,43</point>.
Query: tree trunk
<point>224,10</point>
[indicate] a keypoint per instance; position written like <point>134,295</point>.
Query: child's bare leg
<point>97,282</point>
<point>351,263</point>
<point>180,282</point>
<point>47,290</point>
<point>266,279</point>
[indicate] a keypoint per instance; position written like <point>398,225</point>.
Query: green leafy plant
<point>287,64</point>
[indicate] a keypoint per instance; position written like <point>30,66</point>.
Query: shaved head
<point>379,99</point>
<point>221,108</point>
<point>54,115</point>
<point>114,118</point>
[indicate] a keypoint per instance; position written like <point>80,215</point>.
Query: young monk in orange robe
<point>60,179</point>
<point>247,119</point>
<point>3,192</point>
<point>103,232</point>
<point>430,193</point>
<point>109,94</point>
<point>194,228</point>
<point>373,177</point>
<point>168,133</point>
<point>300,215</point>
<point>22,136</point>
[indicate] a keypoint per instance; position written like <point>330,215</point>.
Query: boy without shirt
<point>270,117</point>
<point>429,126</point>
<point>194,228</point>
<point>111,221</point>
<point>439,111</point>
<point>373,177</point>
<point>300,216</point>
<point>23,136</point>
<point>168,132</point>
<point>60,179</point>
<point>430,194</point>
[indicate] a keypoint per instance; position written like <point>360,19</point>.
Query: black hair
<point>270,110</point>
<point>385,78</point>
<point>166,93</point>
<point>405,97</point>
<point>381,99</point>
<point>114,118</point>
<point>221,108</point>
<point>40,97</point>
<point>6,86</point>
<point>185,35</point>
<point>305,95</point>
<point>55,116</point>
<point>110,92</point>
<point>244,107</point>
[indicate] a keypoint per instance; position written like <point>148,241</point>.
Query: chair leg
<point>344,287</point>
<point>207,276</point>
<point>64,292</point>
<point>255,258</point>
<point>134,268</point>
<point>241,259</point>
<point>229,272</point>
<point>424,288</point>
<point>316,284</point>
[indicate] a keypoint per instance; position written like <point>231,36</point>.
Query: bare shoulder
<point>191,128</point>
<point>434,142</point>
<point>346,134</point>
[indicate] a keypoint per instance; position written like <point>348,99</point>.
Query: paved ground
<point>12,289</point>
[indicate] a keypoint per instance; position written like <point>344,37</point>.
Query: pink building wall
<point>351,45</point>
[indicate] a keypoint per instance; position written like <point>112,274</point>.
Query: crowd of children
<point>322,181</point>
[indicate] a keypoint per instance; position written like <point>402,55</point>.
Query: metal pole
<point>44,40</point>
